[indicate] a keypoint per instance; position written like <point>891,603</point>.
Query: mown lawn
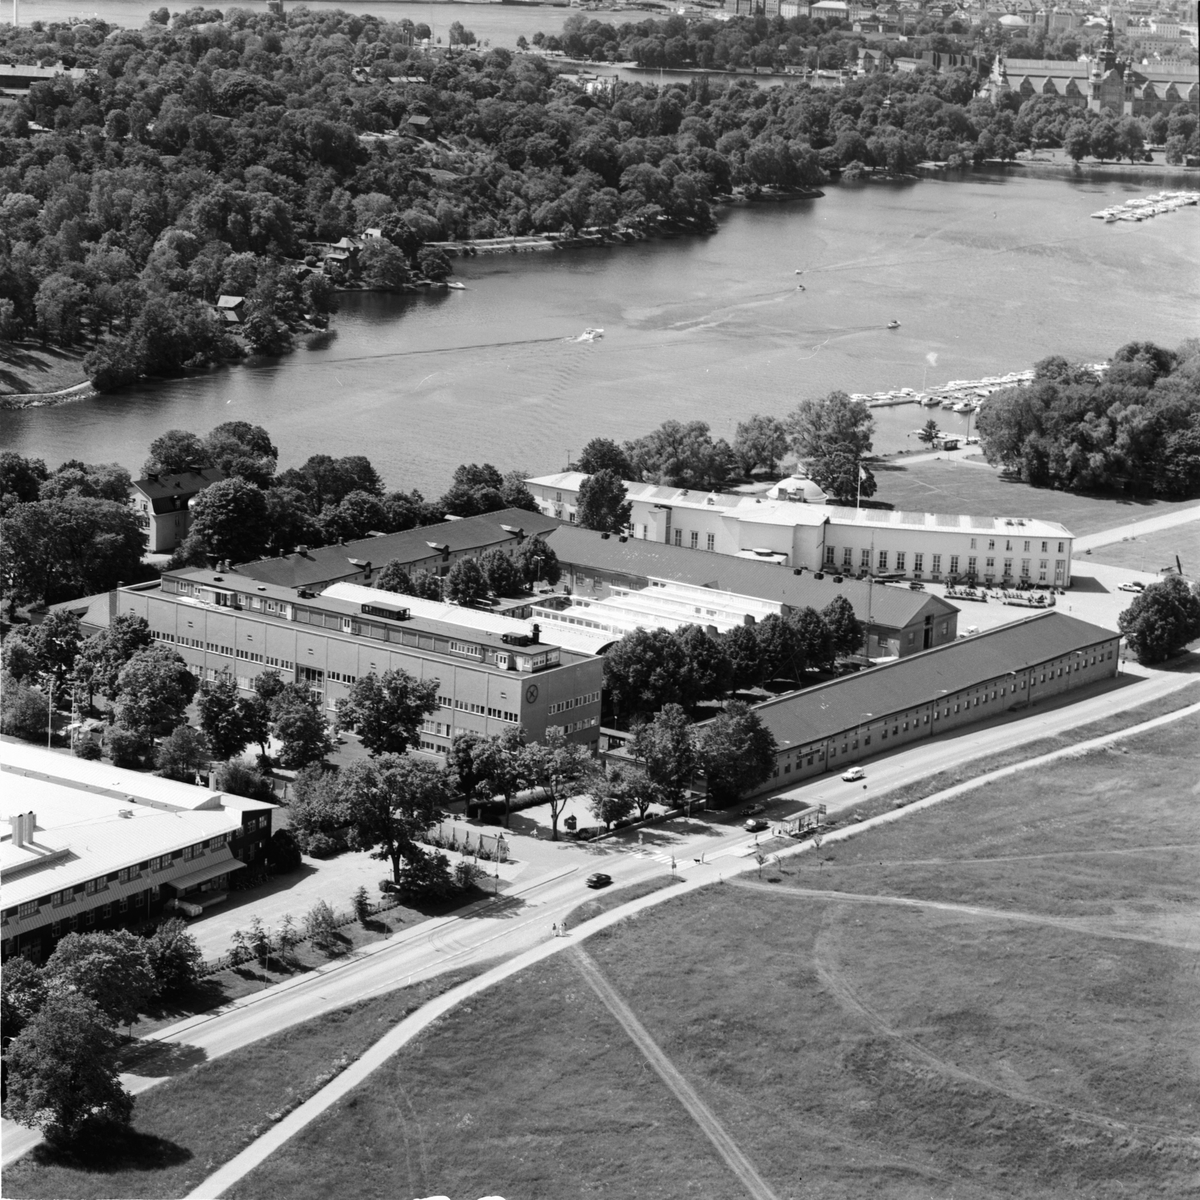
<point>27,367</point>
<point>1150,551</point>
<point>185,1128</point>
<point>850,1048</point>
<point>976,768</point>
<point>947,486</point>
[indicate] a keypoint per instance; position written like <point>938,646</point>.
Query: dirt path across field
<point>724,1145</point>
<point>1071,925</point>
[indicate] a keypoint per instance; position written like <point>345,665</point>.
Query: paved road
<point>256,1153</point>
<point>523,919</point>
<point>1180,516</point>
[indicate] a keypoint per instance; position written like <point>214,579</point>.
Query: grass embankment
<point>1150,551</point>
<point>976,768</point>
<point>606,901</point>
<point>186,1127</point>
<point>947,486</point>
<point>849,1048</point>
<point>26,368</point>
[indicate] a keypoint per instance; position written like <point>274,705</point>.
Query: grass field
<point>1149,551</point>
<point>977,767</point>
<point>185,1128</point>
<point>952,487</point>
<point>28,367</point>
<point>1021,1048</point>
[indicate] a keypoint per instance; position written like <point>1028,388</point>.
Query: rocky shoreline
<point>79,391</point>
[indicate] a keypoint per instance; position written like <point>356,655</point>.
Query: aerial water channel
<point>985,275</point>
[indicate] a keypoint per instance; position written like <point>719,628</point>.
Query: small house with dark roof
<point>162,505</point>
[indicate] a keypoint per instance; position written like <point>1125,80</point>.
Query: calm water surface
<point>985,275</point>
<point>496,24</point>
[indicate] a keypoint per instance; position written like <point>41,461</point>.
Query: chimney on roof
<point>536,632</point>
<point>22,828</point>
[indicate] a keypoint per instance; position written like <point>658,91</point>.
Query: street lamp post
<point>858,729</point>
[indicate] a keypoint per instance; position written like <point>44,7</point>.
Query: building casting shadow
<point>273,887</point>
<point>112,1149</point>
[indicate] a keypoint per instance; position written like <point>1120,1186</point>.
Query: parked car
<point>599,880</point>
<point>915,585</point>
<point>752,809</point>
<point>1132,586</point>
<point>854,774</point>
<point>755,824</point>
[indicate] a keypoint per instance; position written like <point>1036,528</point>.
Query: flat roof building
<point>91,846</point>
<point>874,541</point>
<point>491,675</point>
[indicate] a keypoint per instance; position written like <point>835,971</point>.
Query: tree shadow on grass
<point>204,997</point>
<point>157,1060</point>
<point>112,1149</point>
<point>498,906</point>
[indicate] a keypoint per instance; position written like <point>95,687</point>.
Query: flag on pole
<point>862,472</point>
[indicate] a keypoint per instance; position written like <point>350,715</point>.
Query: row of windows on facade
<point>882,559</point>
<point>810,754</point>
<point>318,617</point>
<point>151,866</point>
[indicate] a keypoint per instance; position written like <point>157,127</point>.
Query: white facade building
<point>821,537</point>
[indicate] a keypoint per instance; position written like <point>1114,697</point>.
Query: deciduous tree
<point>665,750</point>
<point>111,969</point>
<point>1162,620</point>
<point>559,768</point>
<point>603,454</point>
<point>602,503</point>
<point>643,672</point>
<point>387,710</point>
<point>390,802</point>
<point>61,1070</point>
<point>229,519</point>
<point>737,753</point>
<point>154,689</point>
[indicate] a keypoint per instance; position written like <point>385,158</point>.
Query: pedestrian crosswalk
<point>677,862</point>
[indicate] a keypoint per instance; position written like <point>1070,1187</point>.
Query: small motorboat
<point>893,324</point>
<point>590,335</point>
<point>458,287</point>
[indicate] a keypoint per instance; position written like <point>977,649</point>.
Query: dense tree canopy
<point>1136,427</point>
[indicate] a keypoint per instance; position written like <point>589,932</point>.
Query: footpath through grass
<point>850,1049</point>
<point>186,1127</point>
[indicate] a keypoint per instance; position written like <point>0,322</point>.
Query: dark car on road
<point>599,880</point>
<point>755,824</point>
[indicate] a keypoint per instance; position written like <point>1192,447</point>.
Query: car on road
<point>1132,586</point>
<point>854,774</point>
<point>755,824</point>
<point>599,880</point>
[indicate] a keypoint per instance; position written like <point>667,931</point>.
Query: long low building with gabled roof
<point>898,621</point>
<point>834,725</point>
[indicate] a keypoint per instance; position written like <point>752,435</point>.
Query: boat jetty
<point>959,395</point>
<point>1147,206</point>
